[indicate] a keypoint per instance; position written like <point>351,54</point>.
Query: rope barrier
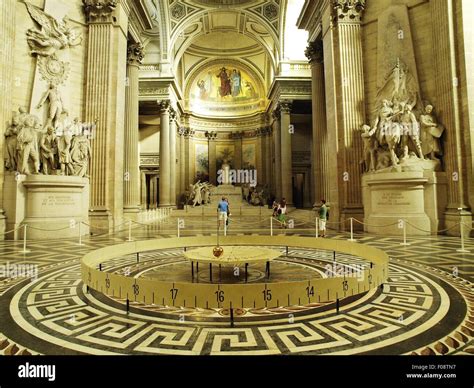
<point>373,225</point>
<point>49,230</point>
<point>13,230</point>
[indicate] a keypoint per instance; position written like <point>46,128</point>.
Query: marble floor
<point>426,307</point>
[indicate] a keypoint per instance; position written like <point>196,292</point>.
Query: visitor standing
<point>222,208</point>
<point>323,215</point>
<point>282,212</point>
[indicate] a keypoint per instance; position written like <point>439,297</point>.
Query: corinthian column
<point>182,161</point>
<point>131,189</point>
<point>105,105</point>
<point>320,161</point>
<point>449,105</point>
<point>349,98</point>
<point>165,168</point>
<point>172,158</point>
<point>286,157</point>
<point>7,45</point>
<point>277,152</point>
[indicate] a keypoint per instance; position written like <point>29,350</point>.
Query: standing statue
<point>370,145</point>
<point>11,134</point>
<point>80,155</point>
<point>224,173</point>
<point>48,151</point>
<point>27,146</point>
<point>431,131</point>
<point>197,198</point>
<point>76,127</point>
<point>55,105</point>
<point>411,130</point>
<point>64,147</point>
<point>205,192</point>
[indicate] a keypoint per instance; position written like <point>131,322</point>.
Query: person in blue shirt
<point>222,209</point>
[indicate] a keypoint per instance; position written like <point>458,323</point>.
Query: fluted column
<point>350,107</point>
<point>182,161</point>
<point>7,45</point>
<point>172,158</point>
<point>286,155</point>
<point>277,152</point>
<point>165,168</point>
<point>448,106</point>
<point>143,201</point>
<point>105,105</point>
<point>268,157</point>
<point>131,192</point>
<point>320,160</point>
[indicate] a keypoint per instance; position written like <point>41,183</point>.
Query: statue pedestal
<point>419,197</point>
<point>52,206</point>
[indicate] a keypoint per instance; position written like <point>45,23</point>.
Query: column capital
<point>211,135</point>
<point>164,105</point>
<point>276,113</point>
<point>135,54</point>
<point>348,10</point>
<point>173,114</point>
<point>99,10</point>
<point>285,106</point>
<point>314,52</point>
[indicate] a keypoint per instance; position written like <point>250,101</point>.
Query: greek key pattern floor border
<point>423,309</point>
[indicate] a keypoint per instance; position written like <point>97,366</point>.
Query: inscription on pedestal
<point>393,199</point>
<point>58,200</point>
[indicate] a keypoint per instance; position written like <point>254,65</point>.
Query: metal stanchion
<point>463,249</point>
<point>178,228</point>
<point>317,227</point>
<point>271,226</point>
<point>129,230</point>
<point>80,233</point>
<point>24,239</point>
<point>404,233</point>
<point>352,230</point>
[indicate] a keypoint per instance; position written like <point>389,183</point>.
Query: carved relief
<point>135,54</point>
<point>54,36</point>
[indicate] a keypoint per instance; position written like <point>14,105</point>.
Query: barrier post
<point>129,230</point>
<point>271,226</point>
<point>463,249</point>
<point>24,239</point>
<point>80,233</point>
<point>178,228</point>
<point>352,230</point>
<point>317,227</point>
<point>404,234</point>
